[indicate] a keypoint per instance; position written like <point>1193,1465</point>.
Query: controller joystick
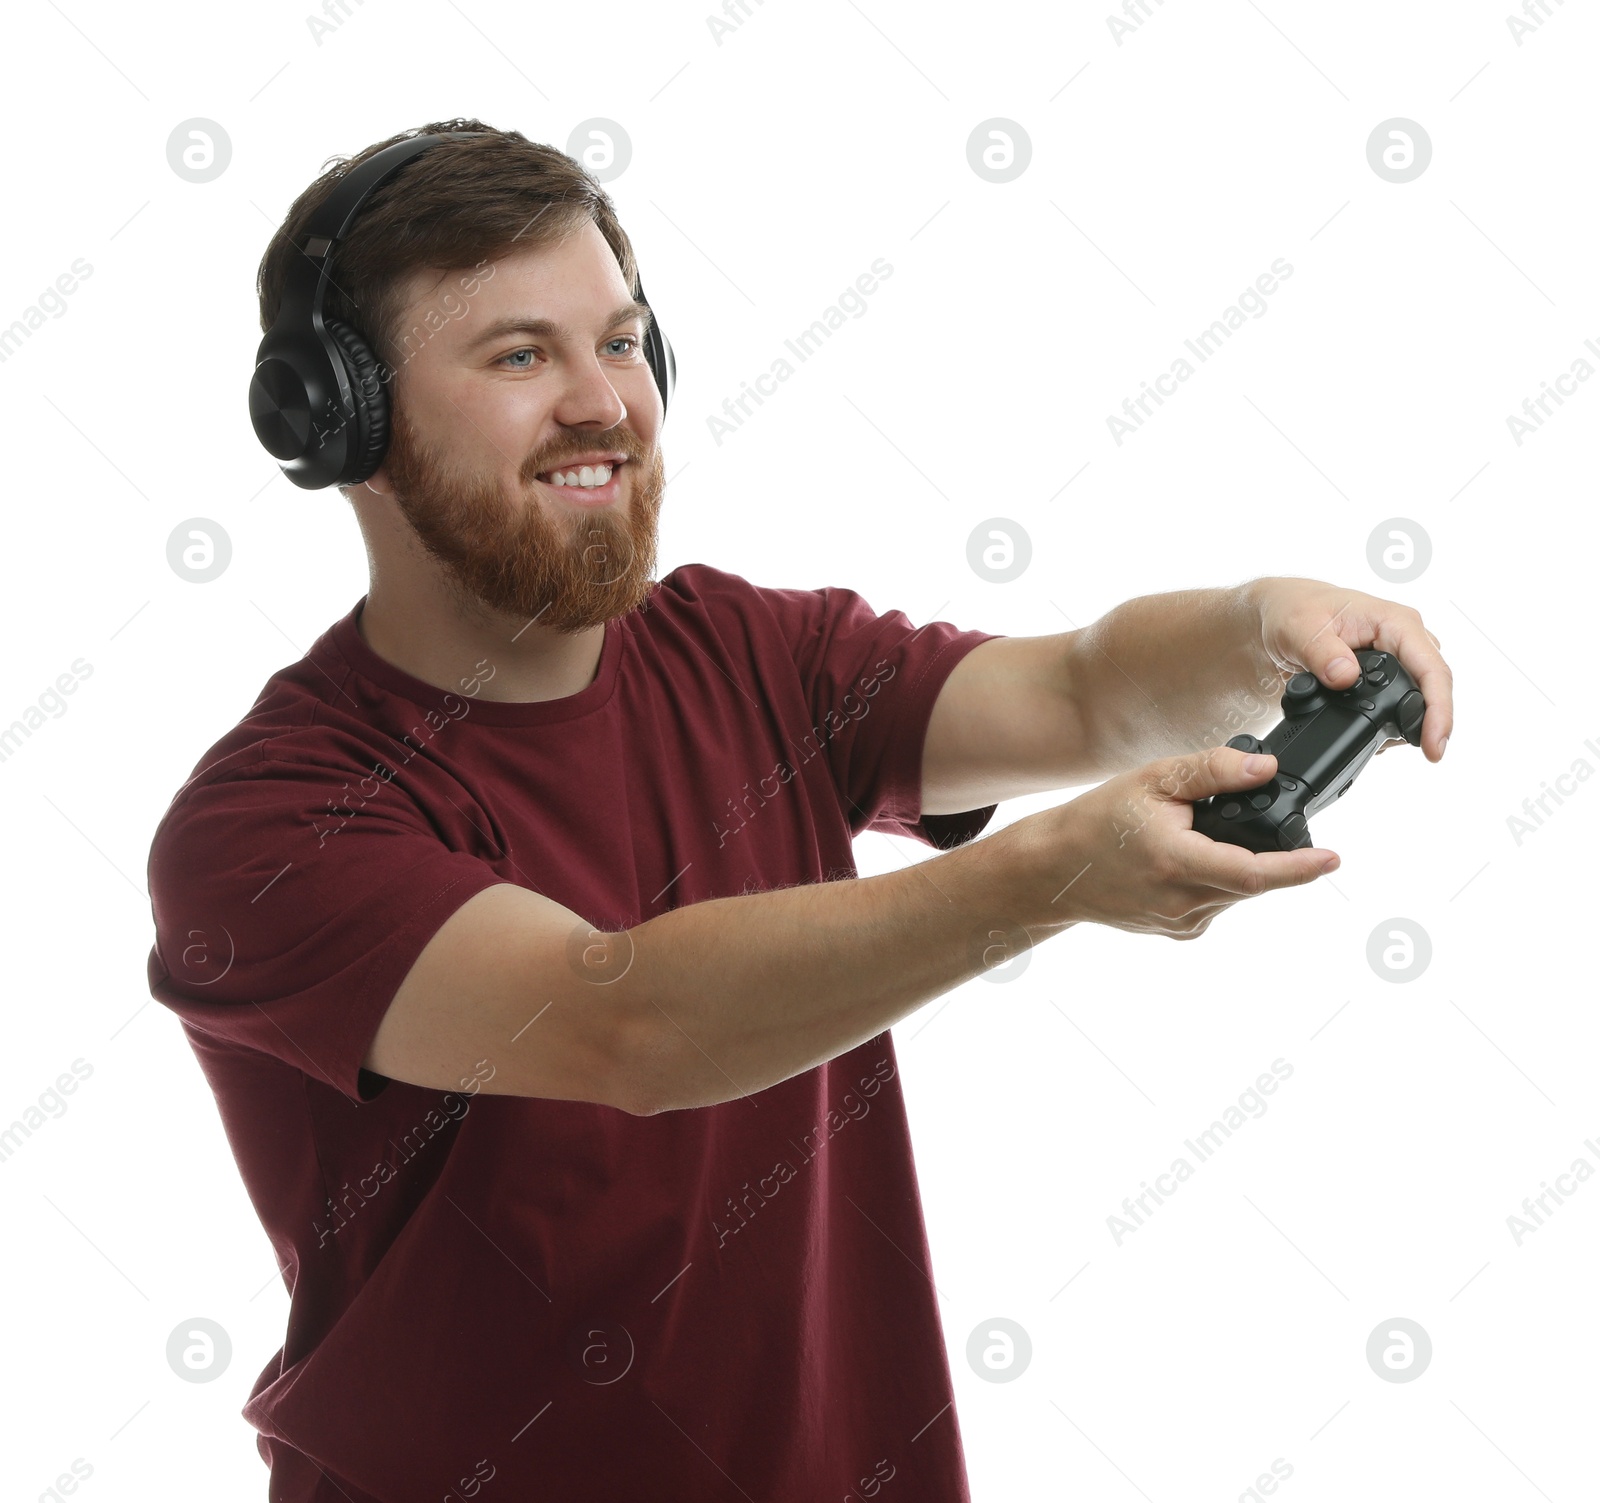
<point>1303,694</point>
<point>1324,740</point>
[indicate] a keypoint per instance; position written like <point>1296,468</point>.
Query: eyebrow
<point>549,328</point>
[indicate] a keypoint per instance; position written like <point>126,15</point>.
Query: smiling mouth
<point>582,485</point>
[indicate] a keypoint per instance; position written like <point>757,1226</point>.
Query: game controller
<point>1325,738</point>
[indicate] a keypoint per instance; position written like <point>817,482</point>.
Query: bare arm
<point>726,997</point>
<point>732,995</point>
<point>703,1004</point>
<point>723,998</point>
<point>1166,674</point>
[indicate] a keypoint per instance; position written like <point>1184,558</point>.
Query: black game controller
<point>1325,738</point>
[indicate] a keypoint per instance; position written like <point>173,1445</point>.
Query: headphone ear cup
<point>663,365</point>
<point>370,438</point>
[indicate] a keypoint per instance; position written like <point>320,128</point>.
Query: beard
<point>530,557</point>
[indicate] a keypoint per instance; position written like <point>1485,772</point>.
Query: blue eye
<point>627,339</point>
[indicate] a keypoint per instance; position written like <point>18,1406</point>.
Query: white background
<point>767,173</point>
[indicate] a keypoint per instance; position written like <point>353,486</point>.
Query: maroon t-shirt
<point>506,1298</point>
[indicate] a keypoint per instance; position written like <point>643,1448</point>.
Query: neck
<point>462,647</point>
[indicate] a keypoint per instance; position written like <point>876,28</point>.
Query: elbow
<point>639,1066</point>
<point>638,1099</point>
<point>657,1068</point>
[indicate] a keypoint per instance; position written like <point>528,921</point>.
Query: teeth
<point>584,475</point>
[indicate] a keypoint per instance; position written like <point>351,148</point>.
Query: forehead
<point>564,279</point>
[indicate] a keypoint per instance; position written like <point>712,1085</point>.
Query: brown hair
<point>456,206</point>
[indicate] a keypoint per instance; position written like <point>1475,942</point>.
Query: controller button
<point>1230,810</point>
<point>1377,678</point>
<point>1302,684</point>
<point>1260,800</point>
<point>1244,742</point>
<point>1289,784</point>
<point>1365,704</point>
<point>1293,834</point>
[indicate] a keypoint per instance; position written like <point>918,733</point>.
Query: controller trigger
<point>1294,834</point>
<point>1410,716</point>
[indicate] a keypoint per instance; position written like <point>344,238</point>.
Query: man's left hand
<point>1317,627</point>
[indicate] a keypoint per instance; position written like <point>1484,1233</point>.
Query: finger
<point>1232,868</point>
<point>1418,650</point>
<point>1327,645</point>
<point>1222,769</point>
<point>1393,628</point>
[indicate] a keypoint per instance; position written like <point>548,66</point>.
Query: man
<point>517,930</point>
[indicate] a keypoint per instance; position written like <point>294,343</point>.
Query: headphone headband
<point>318,400</point>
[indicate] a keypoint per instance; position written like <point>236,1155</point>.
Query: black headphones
<point>318,400</point>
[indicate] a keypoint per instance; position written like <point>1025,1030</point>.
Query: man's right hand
<point>1126,854</point>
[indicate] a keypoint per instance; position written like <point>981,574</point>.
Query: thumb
<point>1222,769</point>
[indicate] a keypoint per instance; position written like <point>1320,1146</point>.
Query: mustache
<point>618,440</point>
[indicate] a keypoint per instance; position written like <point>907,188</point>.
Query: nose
<point>587,396</point>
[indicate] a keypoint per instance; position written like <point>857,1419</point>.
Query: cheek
<point>491,424</point>
<point>645,412</point>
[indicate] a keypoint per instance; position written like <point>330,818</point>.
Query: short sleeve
<point>870,682</point>
<point>284,928</point>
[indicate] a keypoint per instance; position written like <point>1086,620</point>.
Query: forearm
<point>1167,674</point>
<point>726,997</point>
